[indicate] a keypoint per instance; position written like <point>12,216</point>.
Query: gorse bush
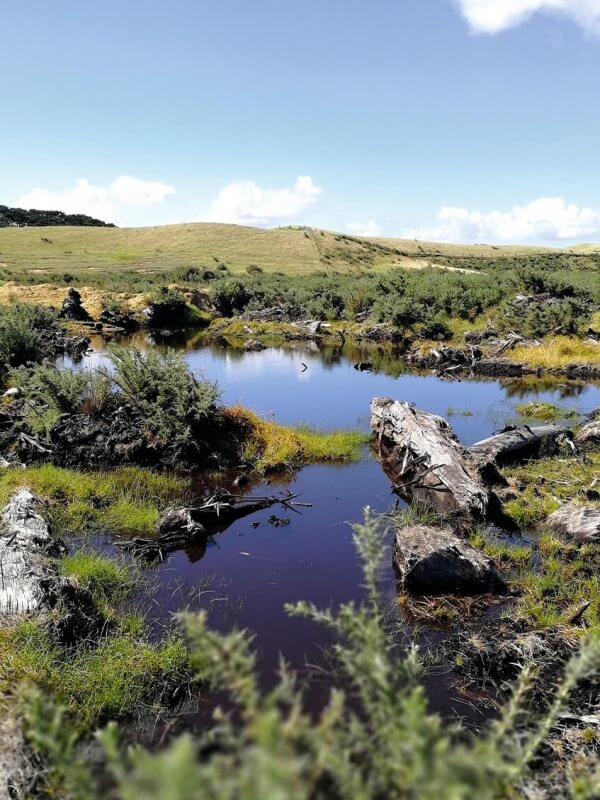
<point>374,739</point>
<point>21,328</point>
<point>159,387</point>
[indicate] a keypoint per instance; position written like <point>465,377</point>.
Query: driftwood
<point>580,524</point>
<point>425,461</point>
<point>427,464</point>
<point>517,443</point>
<point>181,526</point>
<point>25,544</point>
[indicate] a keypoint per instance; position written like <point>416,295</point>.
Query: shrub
<point>21,328</point>
<point>172,403</point>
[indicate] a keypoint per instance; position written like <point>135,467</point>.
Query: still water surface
<point>246,574</point>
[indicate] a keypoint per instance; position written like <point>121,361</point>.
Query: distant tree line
<point>21,217</point>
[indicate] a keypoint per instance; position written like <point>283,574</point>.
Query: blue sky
<point>464,120</point>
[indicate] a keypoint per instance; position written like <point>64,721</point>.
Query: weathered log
<point>517,443</point>
<point>589,434</point>
<point>581,524</point>
<point>425,461</point>
<point>25,544</point>
<point>437,561</point>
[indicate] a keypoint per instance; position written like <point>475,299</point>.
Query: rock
<point>179,522</point>
<point>254,346</point>
<point>437,561</point>
<point>273,314</point>
<point>73,309</point>
<point>580,524</point>
<point>589,435</point>
<point>364,366</point>
<point>169,313</point>
<point>125,321</point>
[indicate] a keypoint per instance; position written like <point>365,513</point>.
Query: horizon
<point>451,121</point>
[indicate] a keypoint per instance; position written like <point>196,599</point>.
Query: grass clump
<point>557,352</point>
<point>116,677</point>
<point>545,484</point>
<point>272,447</point>
<point>126,500</point>
<point>547,412</point>
<point>106,579</point>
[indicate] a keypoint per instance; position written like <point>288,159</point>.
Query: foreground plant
<point>374,739</point>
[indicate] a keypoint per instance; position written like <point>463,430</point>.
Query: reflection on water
<point>331,393</point>
<point>246,574</point>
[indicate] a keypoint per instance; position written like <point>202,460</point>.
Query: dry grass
<point>272,447</point>
<point>557,352</point>
<point>290,250</point>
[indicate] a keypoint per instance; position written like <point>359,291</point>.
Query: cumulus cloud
<point>548,219</point>
<point>246,203</point>
<point>370,228</point>
<point>492,16</point>
<point>105,202</point>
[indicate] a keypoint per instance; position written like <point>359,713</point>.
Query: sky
<point>452,120</point>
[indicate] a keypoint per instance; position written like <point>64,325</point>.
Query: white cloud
<point>548,219</point>
<point>245,203</point>
<point>370,228</point>
<point>492,16</point>
<point>105,202</point>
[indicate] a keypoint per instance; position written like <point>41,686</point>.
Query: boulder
<point>125,321</point>
<point>437,561</point>
<point>72,307</point>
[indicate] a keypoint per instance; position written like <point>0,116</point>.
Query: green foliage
<point>63,391</point>
<point>21,326</point>
<point>172,403</point>
<point>374,739</point>
<point>107,579</point>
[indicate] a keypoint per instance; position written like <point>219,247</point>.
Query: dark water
<point>246,574</point>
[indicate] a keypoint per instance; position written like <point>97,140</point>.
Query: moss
<point>125,500</point>
<point>272,447</point>
<point>546,412</point>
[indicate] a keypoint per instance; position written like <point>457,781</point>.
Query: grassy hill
<point>38,254</point>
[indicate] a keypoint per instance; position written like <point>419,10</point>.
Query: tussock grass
<point>272,447</point>
<point>546,412</point>
<point>106,578</point>
<point>548,482</point>
<point>126,500</point>
<point>119,676</point>
<point>556,352</point>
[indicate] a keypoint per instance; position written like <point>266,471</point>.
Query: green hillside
<point>35,252</point>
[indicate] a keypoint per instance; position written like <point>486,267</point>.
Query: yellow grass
<point>271,447</point>
<point>557,352</point>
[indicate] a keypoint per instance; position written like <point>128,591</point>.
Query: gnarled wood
<point>580,524</point>
<point>514,444</point>
<point>425,461</point>
<point>25,544</point>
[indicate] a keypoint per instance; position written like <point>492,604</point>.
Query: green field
<point>39,251</point>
